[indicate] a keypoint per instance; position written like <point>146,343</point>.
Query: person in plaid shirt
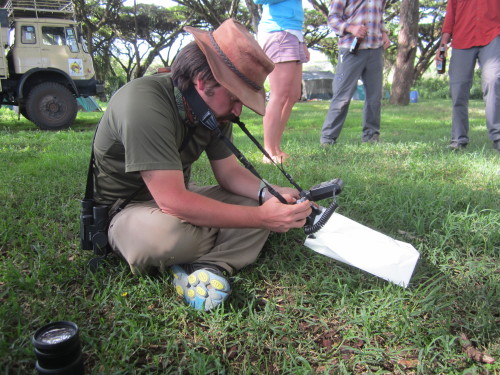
<point>361,19</point>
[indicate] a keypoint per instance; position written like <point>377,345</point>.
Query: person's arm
<point>449,18</point>
<point>336,17</point>
<point>340,24</point>
<point>448,25</point>
<point>359,31</point>
<point>168,190</point>
<point>385,33</point>
<point>445,39</point>
<point>307,53</point>
<point>235,178</point>
<point>385,39</point>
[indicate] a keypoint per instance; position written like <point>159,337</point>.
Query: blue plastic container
<point>413,96</point>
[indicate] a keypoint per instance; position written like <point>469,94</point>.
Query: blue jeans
<point>367,64</point>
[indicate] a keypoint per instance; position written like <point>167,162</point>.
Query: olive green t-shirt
<point>143,129</point>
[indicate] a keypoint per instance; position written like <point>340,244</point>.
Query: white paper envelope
<point>352,243</point>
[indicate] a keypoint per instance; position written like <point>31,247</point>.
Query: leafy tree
<point>432,14</point>
<point>211,13</point>
<point>254,14</point>
<point>95,17</point>
<point>318,35</point>
<point>427,18</point>
<point>131,38</point>
<point>430,20</point>
<point>144,32</point>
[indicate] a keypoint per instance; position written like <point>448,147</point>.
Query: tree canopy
<point>127,41</point>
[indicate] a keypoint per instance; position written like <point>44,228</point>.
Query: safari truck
<point>44,62</point>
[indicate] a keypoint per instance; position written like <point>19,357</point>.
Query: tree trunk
<point>407,49</point>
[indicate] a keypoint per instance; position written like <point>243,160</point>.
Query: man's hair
<point>189,63</point>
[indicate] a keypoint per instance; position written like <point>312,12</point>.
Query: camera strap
<point>317,219</point>
<point>266,154</point>
<point>207,118</point>
<point>93,230</point>
<point>89,189</point>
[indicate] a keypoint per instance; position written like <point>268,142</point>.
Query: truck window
<point>28,35</point>
<point>71,39</point>
<point>53,36</point>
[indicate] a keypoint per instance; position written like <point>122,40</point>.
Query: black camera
<point>94,221</point>
<point>327,189</point>
<point>320,215</point>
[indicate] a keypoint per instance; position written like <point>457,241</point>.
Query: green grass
<point>293,311</point>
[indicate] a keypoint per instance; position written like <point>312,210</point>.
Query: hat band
<point>231,66</point>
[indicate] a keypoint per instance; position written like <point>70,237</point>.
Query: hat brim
<point>255,100</point>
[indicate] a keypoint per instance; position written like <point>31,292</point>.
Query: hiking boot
<point>457,146</point>
<point>328,144</point>
<point>496,145</point>
<point>373,139</point>
<point>203,286</point>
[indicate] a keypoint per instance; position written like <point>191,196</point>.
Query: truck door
<point>25,51</point>
<point>59,49</point>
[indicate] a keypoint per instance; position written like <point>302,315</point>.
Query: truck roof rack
<point>41,8</point>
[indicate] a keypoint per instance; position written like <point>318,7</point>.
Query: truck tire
<point>51,106</point>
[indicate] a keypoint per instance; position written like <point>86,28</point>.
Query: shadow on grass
<point>349,313</point>
<point>85,121</point>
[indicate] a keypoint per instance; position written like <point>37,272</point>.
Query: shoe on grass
<point>328,143</point>
<point>203,286</point>
<point>373,139</point>
<point>496,145</point>
<point>457,146</point>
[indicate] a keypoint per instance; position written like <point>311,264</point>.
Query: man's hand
<point>279,217</point>
<point>283,191</point>
<point>445,38</point>
<point>386,40</point>
<point>168,190</point>
<point>359,31</point>
<point>307,53</point>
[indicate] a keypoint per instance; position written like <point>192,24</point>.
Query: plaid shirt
<point>357,12</point>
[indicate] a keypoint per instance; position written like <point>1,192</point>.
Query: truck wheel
<point>51,106</point>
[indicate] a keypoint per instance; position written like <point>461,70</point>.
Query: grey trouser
<point>367,64</point>
<point>461,73</point>
<point>149,239</point>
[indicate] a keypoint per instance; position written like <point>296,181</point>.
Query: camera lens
<point>56,335</point>
<point>58,349</point>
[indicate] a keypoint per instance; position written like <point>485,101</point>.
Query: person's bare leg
<point>284,83</point>
<point>294,96</point>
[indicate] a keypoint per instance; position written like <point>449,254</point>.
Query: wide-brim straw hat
<point>237,61</point>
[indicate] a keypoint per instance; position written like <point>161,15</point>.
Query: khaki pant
<point>149,239</point>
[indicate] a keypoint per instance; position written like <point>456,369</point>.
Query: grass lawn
<point>294,311</point>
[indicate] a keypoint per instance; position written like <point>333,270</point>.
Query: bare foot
<point>276,158</point>
<point>283,155</point>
